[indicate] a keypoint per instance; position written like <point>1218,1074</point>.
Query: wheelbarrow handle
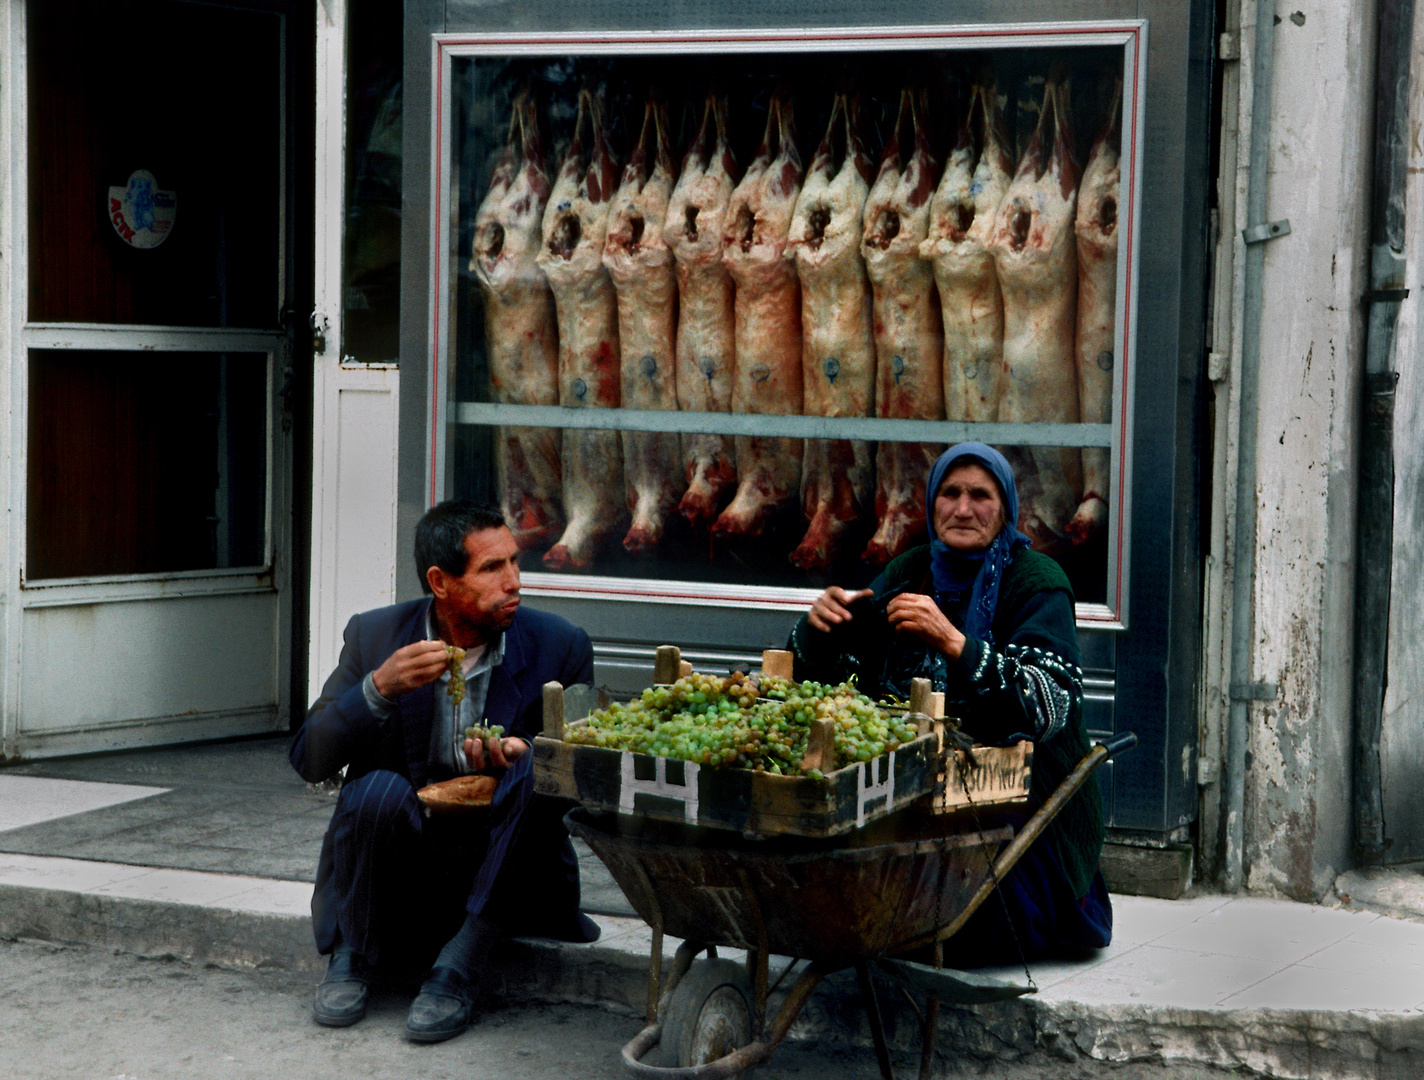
<point>1118,743</point>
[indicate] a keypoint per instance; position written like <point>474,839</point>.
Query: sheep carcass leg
<point>838,339</point>
<point>767,379</point>
<point>640,263</point>
<point>1035,253</point>
<point>521,342</point>
<point>575,227</point>
<point>706,334</point>
<point>1096,231</point>
<point>909,332</point>
<point>961,221</point>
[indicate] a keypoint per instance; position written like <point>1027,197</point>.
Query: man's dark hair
<point>440,535</point>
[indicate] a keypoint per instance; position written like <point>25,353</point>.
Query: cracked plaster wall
<point>1297,784</point>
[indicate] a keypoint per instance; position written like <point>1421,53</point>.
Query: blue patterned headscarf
<point>977,574</point>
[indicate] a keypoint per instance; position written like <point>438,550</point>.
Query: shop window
<point>661,368</point>
<point>144,463</point>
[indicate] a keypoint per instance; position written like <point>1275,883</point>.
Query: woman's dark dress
<point>1028,685</point>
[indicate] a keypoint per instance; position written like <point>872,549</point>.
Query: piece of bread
<point>455,796</point>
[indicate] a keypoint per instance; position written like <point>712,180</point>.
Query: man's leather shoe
<point>341,995</point>
<point>443,1008</point>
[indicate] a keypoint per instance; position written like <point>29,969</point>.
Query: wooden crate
<point>983,776</point>
<point>765,804</point>
<point>754,803</point>
<point>998,776</point>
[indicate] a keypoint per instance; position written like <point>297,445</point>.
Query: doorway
<point>158,371</point>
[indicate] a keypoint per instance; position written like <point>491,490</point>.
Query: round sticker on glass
<point>141,214</point>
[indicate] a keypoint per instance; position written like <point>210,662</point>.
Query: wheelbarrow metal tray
<point>755,803</point>
<point>817,901</point>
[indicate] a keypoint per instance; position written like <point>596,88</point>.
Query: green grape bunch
<point>456,686</point>
<point>743,721</point>
<point>483,731</point>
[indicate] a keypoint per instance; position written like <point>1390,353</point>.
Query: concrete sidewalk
<point>207,852</point>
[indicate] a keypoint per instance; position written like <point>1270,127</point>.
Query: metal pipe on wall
<point>1221,362</point>
<point>1375,508</point>
<point>1244,548</point>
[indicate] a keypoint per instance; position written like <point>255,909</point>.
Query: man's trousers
<point>395,886</point>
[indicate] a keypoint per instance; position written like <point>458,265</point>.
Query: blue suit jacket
<point>340,730</point>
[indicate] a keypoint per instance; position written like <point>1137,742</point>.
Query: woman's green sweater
<point>1027,685</point>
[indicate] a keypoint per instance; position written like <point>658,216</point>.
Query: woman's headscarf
<point>976,574</point>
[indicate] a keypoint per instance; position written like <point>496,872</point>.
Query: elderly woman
<point>990,623</point>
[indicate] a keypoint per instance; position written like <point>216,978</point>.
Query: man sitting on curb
<point>395,889</point>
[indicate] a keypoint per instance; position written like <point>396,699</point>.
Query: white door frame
<point>13,252</point>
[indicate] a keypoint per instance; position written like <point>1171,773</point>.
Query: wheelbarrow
<point>876,895</point>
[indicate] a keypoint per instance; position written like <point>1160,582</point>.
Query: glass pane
<point>874,236</point>
<point>370,296</point>
<point>154,182</point>
<point>145,462</point>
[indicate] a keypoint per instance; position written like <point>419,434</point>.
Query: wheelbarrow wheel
<point>709,1014</point>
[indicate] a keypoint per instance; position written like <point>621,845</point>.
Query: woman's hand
<point>832,607</point>
<point>915,613</point>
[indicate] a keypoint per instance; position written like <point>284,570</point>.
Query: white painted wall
<point>1297,824</point>
<point>354,498</point>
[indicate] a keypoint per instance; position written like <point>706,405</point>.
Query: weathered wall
<point>1402,734</point>
<point>1298,781</point>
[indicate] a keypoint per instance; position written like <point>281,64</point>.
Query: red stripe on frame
<point>1127,320</point>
